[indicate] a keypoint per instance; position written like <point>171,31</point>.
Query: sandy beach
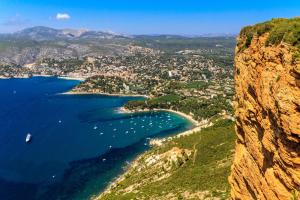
<point>157,142</point>
<point>4,77</point>
<point>198,125</point>
<point>104,94</point>
<point>72,78</point>
<point>188,117</point>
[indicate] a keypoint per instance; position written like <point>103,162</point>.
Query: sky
<point>182,17</point>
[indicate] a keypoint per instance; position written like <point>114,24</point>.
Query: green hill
<point>195,166</point>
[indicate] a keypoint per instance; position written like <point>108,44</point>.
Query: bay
<point>79,142</point>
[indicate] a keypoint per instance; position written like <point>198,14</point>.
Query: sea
<point>79,143</point>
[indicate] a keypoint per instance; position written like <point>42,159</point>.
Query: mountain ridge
<point>41,33</point>
<point>33,45</point>
<point>78,32</point>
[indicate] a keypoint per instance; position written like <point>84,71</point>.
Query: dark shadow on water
<point>82,174</point>
<point>15,191</point>
<point>104,168</point>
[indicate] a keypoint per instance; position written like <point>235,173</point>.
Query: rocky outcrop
<point>152,168</point>
<point>267,108</point>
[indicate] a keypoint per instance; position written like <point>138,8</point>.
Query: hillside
<point>267,109</point>
<point>35,44</point>
<point>194,166</point>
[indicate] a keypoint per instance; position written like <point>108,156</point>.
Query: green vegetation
<point>175,43</point>
<point>200,108</point>
<point>115,85</point>
<point>8,44</point>
<point>171,87</point>
<point>196,85</point>
<point>66,65</point>
<point>183,97</point>
<point>107,84</point>
<point>280,30</point>
<point>207,169</point>
<point>295,195</point>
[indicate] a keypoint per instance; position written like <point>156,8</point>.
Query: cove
<point>79,142</point>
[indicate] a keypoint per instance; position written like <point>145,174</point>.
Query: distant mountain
<point>41,33</point>
<point>36,43</point>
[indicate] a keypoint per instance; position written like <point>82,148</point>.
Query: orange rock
<point>267,109</point>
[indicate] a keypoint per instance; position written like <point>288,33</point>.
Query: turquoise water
<point>79,142</point>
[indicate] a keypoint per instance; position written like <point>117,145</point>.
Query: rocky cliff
<point>267,108</point>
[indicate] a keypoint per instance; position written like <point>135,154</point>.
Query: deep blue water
<point>79,144</point>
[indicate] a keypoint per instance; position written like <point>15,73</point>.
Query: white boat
<point>28,138</point>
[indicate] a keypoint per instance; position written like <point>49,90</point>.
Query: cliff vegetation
<point>194,166</point>
<point>278,30</point>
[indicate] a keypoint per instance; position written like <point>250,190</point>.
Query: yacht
<point>28,138</point>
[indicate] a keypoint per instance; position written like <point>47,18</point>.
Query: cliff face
<point>267,108</point>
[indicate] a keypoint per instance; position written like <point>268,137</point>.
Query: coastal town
<point>149,100</point>
<point>190,77</point>
<point>189,81</point>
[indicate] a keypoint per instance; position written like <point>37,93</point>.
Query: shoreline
<point>153,142</point>
<point>186,116</point>
<point>124,110</point>
<point>201,125</point>
<point>197,126</point>
<point>45,75</point>
<point>72,78</point>
<point>103,94</point>
<point>3,77</point>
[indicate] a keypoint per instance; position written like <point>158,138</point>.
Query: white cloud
<point>62,16</point>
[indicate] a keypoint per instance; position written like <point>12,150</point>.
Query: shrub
<point>280,30</point>
<point>295,195</point>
